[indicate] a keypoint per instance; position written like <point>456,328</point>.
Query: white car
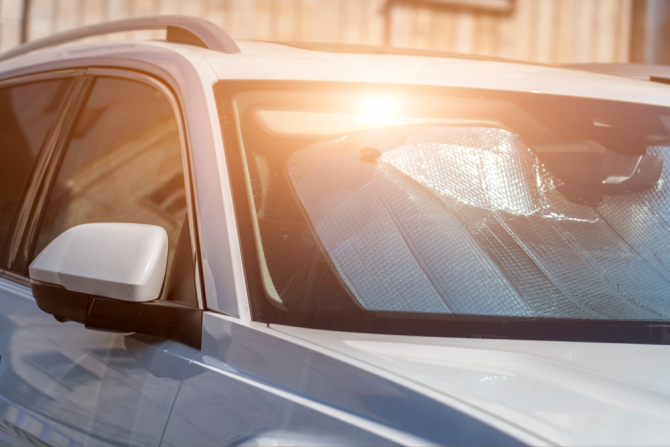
<point>253,243</point>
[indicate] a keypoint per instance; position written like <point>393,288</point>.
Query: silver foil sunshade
<point>467,220</point>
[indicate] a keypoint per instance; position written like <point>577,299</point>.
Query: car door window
<point>27,112</point>
<point>124,164</point>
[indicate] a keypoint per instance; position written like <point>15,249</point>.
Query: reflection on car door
<point>119,161</point>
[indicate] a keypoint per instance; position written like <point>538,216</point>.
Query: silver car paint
<point>81,387</point>
<point>250,382</point>
<point>62,384</point>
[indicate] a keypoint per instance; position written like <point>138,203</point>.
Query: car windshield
<point>447,211</point>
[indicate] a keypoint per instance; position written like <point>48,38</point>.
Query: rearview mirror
<point>109,276</point>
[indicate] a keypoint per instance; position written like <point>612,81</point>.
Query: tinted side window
<point>123,164</point>
<point>26,113</point>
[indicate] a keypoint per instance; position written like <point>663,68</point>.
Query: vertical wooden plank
<point>114,9</point>
<point>565,31</point>
<point>94,12</point>
<point>10,13</point>
<point>592,31</point>
<point>169,7</point>
<point>581,38</point>
<point>232,18</point>
<point>284,12</point>
<point>454,21</point>
<point>40,19</point>
<point>623,32</point>
<point>228,15</point>
<point>330,20</point>
<point>556,30</point>
<point>476,36</point>
<point>189,8</point>
<point>137,8</point>
<point>499,41</point>
<point>3,21</point>
<point>464,31</point>
<point>263,17</point>
<point>607,16</point>
<point>377,22</point>
<point>544,22</point>
<point>297,20</point>
<point>320,17</point>
<point>444,30</point>
<point>422,27</point>
<point>6,29</point>
<point>522,30</point>
<point>365,21</point>
<point>2,25</point>
<point>308,18</point>
<point>249,19</point>
<point>274,19</point>
<point>55,16</point>
<point>81,12</point>
<point>507,35</point>
<point>435,35</point>
<point>215,12</point>
<point>205,8</point>
<point>342,20</point>
<point>402,25</point>
<point>486,34</point>
<point>67,17</point>
<point>357,26</point>
<point>156,7</point>
<point>349,21</point>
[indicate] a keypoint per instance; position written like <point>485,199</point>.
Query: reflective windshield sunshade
<point>467,220</point>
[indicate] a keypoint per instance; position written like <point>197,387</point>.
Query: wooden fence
<point>536,30</point>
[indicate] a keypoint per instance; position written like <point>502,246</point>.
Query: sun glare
<point>379,107</point>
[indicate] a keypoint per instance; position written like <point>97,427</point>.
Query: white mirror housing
<point>122,261</point>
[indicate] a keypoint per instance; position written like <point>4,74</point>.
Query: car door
<point>112,151</point>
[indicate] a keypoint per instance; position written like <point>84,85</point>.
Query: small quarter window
<point>27,112</point>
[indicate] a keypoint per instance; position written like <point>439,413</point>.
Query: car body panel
<point>92,388</point>
<point>570,393</point>
<point>250,381</point>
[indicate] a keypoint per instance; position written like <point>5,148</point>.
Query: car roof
<point>277,61</point>
<point>259,60</point>
<point>347,48</point>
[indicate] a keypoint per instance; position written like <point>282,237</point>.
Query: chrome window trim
<point>15,277</point>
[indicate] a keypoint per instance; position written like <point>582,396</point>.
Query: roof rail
<point>184,29</point>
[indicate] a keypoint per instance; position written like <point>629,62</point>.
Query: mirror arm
<point>59,302</point>
<point>167,319</point>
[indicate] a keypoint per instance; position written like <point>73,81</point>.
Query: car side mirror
<point>109,276</point>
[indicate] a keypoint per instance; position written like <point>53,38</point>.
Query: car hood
<point>564,393</point>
